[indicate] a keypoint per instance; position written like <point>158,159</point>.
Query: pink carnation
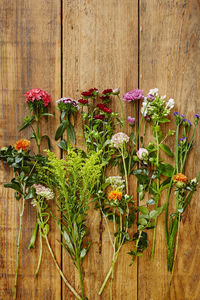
<point>133,95</point>
<point>38,94</point>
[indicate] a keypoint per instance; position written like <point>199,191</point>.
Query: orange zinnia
<point>22,144</point>
<point>115,195</point>
<point>180,177</point>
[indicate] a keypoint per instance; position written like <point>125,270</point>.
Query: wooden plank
<point>100,49</point>
<point>29,57</point>
<point>168,61</point>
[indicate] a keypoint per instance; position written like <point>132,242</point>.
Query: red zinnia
<point>38,94</point>
<point>104,108</point>
<point>99,117</point>
<point>107,91</point>
<point>83,101</point>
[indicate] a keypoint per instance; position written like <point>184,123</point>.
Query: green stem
<point>166,209</point>
<point>140,124</point>
<point>188,148</point>
<point>125,170</point>
<point>61,273</point>
<point>33,238</point>
<point>40,255</point>
<point>18,247</point>
<point>122,109</point>
<point>176,149</point>
<point>158,188</point>
<point>37,134</point>
<point>81,278</point>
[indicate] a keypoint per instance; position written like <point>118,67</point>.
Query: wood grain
<point>100,49</point>
<point>169,40</point>
<point>29,58</point>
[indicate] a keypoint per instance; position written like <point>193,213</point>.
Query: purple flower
<point>196,116</point>
<point>116,91</point>
<point>131,120</point>
<point>182,116</point>
<point>133,95</point>
<point>183,139</point>
<point>189,123</point>
<point>150,97</point>
<point>176,113</point>
<point>184,120</point>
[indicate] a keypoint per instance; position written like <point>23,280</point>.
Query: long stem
<point>81,278</point>
<point>40,255</point>
<point>158,186</point>
<point>18,247</point>
<point>61,273</point>
<point>188,148</point>
<point>175,254</point>
<point>125,170</point>
<point>37,134</point>
<point>176,148</point>
<point>122,109</point>
<point>166,209</point>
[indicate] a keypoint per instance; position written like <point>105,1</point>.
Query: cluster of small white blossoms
<point>116,182</point>
<point>43,191</point>
<point>119,139</point>
<point>148,109</point>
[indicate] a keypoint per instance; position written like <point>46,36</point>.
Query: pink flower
<point>142,153</point>
<point>131,120</point>
<point>133,95</point>
<point>37,94</point>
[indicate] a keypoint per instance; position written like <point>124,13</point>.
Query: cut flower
<point>36,95</point>
<point>115,195</point>
<point>22,144</point>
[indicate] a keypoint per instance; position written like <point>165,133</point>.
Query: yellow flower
<point>22,144</point>
<point>180,177</point>
<point>115,195</point>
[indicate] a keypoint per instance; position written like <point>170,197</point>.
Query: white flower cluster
<point>116,182</point>
<point>119,139</point>
<point>68,101</point>
<point>148,104</point>
<point>43,191</point>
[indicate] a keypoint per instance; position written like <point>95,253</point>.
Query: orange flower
<point>22,144</point>
<point>115,195</point>
<point>180,177</point>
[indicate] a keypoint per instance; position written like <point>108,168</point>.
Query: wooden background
<point>66,47</point>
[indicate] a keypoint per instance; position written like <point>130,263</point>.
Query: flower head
<point>133,95</point>
<point>116,182</point>
<point>107,91</point>
<point>90,93</point>
<point>67,104</point>
<point>197,116</point>
<point>142,153</point>
<point>43,191</point>
<point>116,91</point>
<point>99,117</point>
<point>119,139</point>
<point>131,120</point>
<point>36,95</point>
<point>175,113</point>
<point>180,177</point>
<point>22,144</point>
<point>104,108</point>
<point>150,97</point>
<point>153,91</point>
<point>83,101</point>
<point>115,195</point>
<point>170,104</point>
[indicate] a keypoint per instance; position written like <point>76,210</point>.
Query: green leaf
<point>166,149</point>
<point>83,253</point>
<point>164,120</point>
<point>68,241</point>
<point>166,169</point>
<point>14,186</point>
<point>47,114</point>
<point>60,130</point>
<point>142,221</point>
<point>143,210</point>
<point>63,113</point>
<point>63,145</point>
<point>27,122</point>
<point>71,133</point>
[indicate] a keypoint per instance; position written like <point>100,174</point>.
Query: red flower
<point>38,94</point>
<point>107,91</point>
<point>104,108</point>
<point>99,117</point>
<point>105,98</point>
<point>89,93</point>
<point>83,101</point>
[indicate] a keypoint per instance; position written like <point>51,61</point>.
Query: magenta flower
<point>131,120</point>
<point>133,95</point>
